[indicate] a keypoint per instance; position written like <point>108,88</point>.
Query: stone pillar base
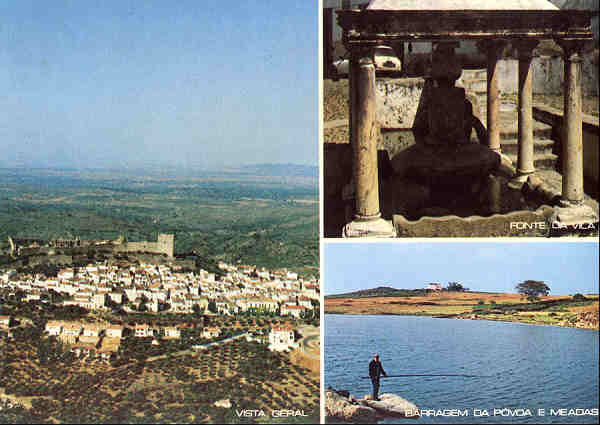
<point>518,181</point>
<point>506,167</point>
<point>574,218</point>
<point>378,228</point>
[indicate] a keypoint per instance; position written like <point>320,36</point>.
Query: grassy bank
<point>557,311</point>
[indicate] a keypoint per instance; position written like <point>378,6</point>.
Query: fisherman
<point>375,372</point>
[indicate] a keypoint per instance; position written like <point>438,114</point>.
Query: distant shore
<point>554,311</point>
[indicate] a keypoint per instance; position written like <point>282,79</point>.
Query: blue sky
<point>566,267</point>
<point>185,83</point>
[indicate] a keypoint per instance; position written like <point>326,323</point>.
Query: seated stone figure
<point>445,116</point>
<point>443,153</point>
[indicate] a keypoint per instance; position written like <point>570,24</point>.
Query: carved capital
<point>571,49</point>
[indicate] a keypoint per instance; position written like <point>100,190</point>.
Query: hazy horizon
<point>154,166</point>
<point>153,84</point>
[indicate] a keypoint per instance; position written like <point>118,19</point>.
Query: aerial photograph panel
<point>159,218</point>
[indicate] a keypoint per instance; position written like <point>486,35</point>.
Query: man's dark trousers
<point>375,382</point>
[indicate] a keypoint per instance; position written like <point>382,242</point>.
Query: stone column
<point>494,185</point>
<point>364,142</point>
<point>493,50</point>
<point>525,165</point>
<point>573,215</point>
<point>572,137</point>
<point>363,137</point>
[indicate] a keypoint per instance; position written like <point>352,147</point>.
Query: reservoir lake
<point>521,368</point>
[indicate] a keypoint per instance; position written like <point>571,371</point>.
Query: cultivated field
<point>171,389</point>
<point>553,310</point>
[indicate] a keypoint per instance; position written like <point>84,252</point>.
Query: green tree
<point>532,289</point>
<point>455,286</point>
<point>212,306</point>
<point>198,311</point>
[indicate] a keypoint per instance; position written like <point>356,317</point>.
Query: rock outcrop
<point>392,405</point>
<point>342,406</point>
<point>347,410</point>
<point>585,320</point>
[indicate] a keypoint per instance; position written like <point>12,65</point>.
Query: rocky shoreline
<point>584,320</point>
<point>340,405</point>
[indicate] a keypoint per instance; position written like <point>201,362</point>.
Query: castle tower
<point>166,243</point>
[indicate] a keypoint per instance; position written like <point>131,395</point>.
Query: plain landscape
<point>265,215</point>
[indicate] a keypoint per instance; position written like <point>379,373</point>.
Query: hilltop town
<point>121,314</point>
<point>118,288</point>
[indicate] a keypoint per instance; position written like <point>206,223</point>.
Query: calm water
<point>530,367</point>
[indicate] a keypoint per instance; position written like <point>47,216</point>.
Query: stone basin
<point>446,165</point>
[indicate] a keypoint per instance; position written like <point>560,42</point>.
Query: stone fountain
<point>448,167</point>
<point>445,155</point>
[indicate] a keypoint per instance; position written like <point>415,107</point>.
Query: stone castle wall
<point>165,244</point>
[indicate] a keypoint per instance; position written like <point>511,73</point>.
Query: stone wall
<point>163,245</point>
<point>398,100</point>
<point>548,75</point>
<point>548,78</point>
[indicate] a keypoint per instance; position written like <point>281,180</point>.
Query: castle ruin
<point>165,244</point>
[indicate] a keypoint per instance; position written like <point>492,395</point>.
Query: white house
<point>292,310</point>
<point>72,329</point>
<point>143,330</point>
<point>172,332</point>
<point>281,339</point>
<point>54,327</point>
<point>114,331</point>
<point>65,274</point>
<point>5,321</point>
<point>92,330</point>
<point>305,302</point>
<point>211,332</point>
<point>116,297</point>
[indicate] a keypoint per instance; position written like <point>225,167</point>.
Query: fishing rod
<point>429,375</point>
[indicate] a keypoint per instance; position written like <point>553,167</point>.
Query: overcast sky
<point>185,83</point>
<point>566,267</point>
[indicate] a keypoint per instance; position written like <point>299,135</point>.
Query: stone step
<point>540,146</point>
<point>509,129</point>
<point>540,161</point>
<point>477,86</point>
<point>473,74</point>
